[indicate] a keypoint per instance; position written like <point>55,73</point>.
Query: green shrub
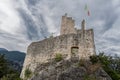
<point>81,63</point>
<point>112,73</point>
<point>28,73</point>
<point>10,77</point>
<point>58,57</point>
<point>109,64</point>
<point>87,77</point>
<point>94,59</point>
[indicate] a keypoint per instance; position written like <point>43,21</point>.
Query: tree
<point>6,72</point>
<point>3,66</point>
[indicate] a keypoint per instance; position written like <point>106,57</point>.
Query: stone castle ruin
<point>79,42</point>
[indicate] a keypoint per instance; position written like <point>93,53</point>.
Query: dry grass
<point>93,68</point>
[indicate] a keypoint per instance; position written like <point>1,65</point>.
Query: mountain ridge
<point>15,58</point>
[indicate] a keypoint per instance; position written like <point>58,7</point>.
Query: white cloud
<point>9,17</point>
<point>21,21</point>
<point>12,32</point>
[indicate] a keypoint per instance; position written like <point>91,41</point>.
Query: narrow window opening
<point>74,50</point>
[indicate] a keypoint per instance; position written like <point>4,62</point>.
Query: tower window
<point>74,50</point>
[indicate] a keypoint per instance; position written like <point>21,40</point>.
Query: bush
<point>11,76</point>
<point>94,59</point>
<point>3,66</point>
<point>28,73</point>
<point>87,77</point>
<point>109,64</point>
<point>81,63</point>
<point>112,73</point>
<point>58,57</point>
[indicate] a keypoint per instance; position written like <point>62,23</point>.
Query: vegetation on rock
<point>98,66</point>
<point>58,57</point>
<point>110,64</point>
<point>28,73</point>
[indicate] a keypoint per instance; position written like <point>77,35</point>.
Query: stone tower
<point>67,25</point>
<point>83,26</point>
<point>83,31</point>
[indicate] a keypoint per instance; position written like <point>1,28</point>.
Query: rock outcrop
<point>73,69</point>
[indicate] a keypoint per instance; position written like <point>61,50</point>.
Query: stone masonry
<point>71,41</point>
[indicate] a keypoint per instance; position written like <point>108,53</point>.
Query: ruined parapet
<point>67,25</point>
<point>71,42</point>
<point>83,25</point>
<point>67,45</point>
<point>83,28</point>
<point>87,44</point>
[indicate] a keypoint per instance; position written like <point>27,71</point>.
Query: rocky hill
<point>72,69</point>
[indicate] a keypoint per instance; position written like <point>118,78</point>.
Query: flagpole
<point>87,12</point>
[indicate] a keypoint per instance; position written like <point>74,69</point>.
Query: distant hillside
<point>16,58</point>
<point>2,49</point>
<point>13,55</point>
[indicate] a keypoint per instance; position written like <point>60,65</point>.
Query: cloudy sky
<point>25,21</point>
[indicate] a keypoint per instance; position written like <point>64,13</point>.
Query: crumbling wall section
<point>87,46</point>
<point>43,51</point>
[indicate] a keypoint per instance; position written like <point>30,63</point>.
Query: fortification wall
<point>71,42</point>
<point>43,51</point>
<point>88,46</point>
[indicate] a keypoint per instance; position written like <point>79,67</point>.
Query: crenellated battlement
<point>67,25</point>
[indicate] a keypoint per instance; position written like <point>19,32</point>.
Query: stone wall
<point>43,51</point>
<point>67,25</point>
